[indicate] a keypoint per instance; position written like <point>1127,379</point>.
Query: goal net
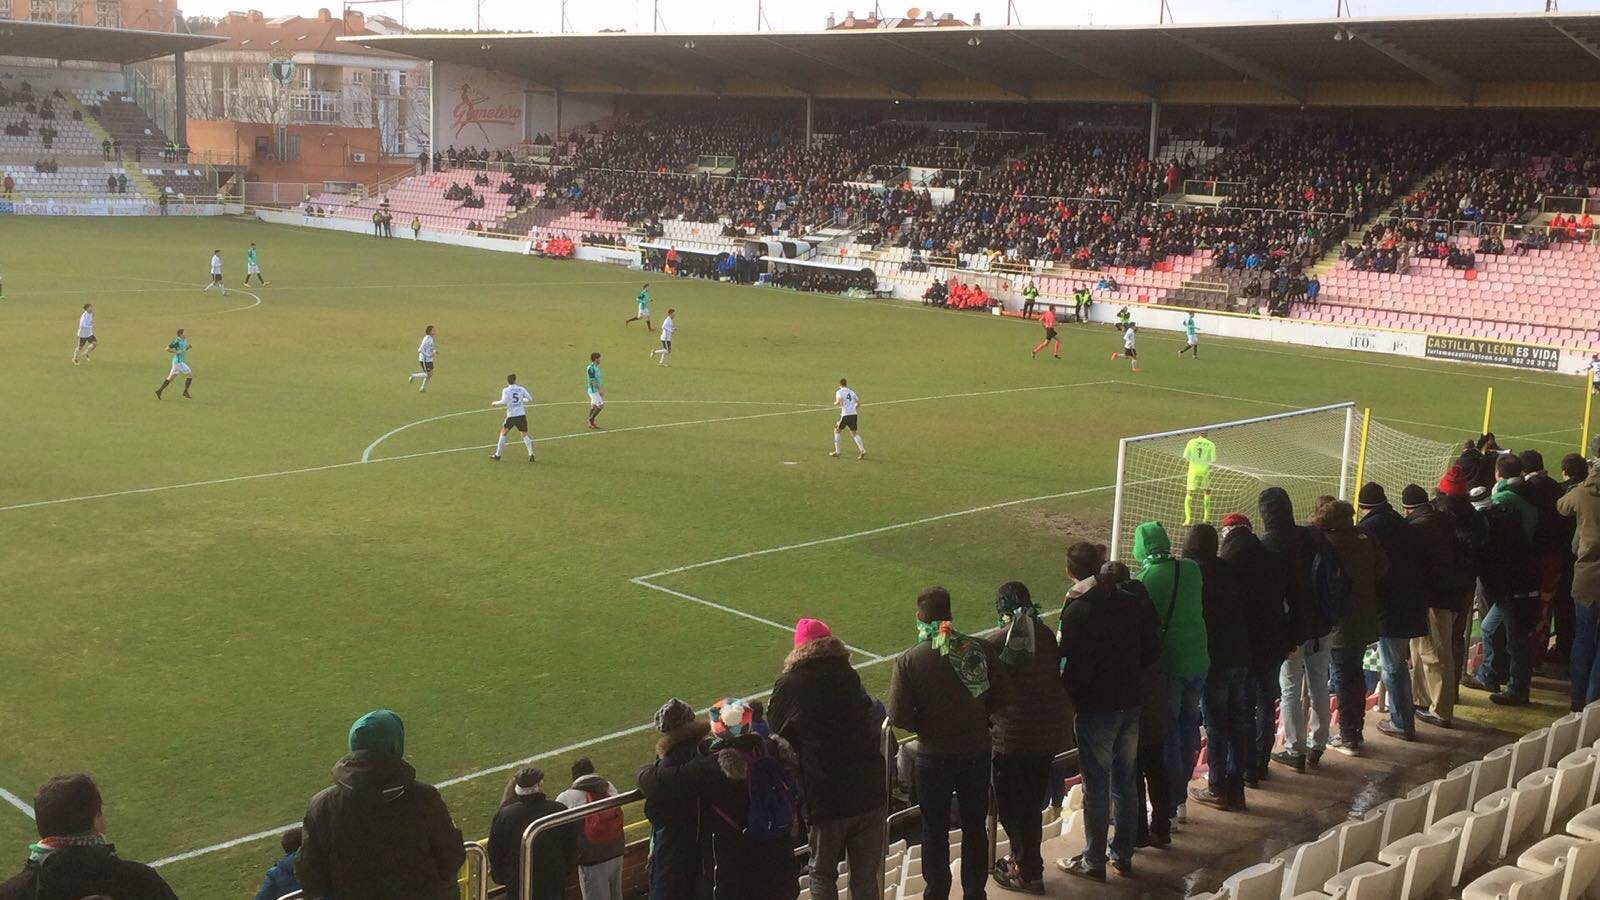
<point>1308,453</point>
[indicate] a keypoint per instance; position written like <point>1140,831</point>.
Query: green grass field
<point>225,585</point>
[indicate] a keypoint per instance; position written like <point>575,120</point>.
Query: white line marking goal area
<point>871,659</point>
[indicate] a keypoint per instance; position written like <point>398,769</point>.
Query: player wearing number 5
<point>1200,453</point>
<point>515,398</point>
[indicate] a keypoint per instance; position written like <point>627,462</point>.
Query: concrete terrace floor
<point>1290,808</point>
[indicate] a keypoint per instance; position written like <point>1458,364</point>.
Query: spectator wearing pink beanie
<point>819,706</point>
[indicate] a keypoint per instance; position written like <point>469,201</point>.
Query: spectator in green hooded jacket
<point>1510,491</point>
<point>1174,588</point>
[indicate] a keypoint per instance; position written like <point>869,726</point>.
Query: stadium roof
<point>1519,59</point>
<point>49,40</point>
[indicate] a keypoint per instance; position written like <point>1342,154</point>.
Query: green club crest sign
<point>281,71</point>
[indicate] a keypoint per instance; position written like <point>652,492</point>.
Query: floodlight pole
<point>656,24</point>
<point>566,23</point>
<point>761,16</point>
<point>1341,8</point>
<point>1164,13</point>
<point>1012,11</point>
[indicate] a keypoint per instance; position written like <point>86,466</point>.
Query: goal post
<point>1324,450</point>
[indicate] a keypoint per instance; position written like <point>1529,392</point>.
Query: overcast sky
<point>798,15</point>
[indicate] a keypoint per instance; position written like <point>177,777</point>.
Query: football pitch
<point>201,595</point>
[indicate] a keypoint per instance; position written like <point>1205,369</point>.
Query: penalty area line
<point>787,629</point>
<point>16,801</point>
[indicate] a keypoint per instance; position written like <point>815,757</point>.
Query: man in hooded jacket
<point>1228,713</point>
<point>1363,561</point>
<point>1174,588</point>
<point>378,833</point>
<point>1448,582</point>
<point>1402,604</point>
<point>1263,578</point>
<point>1303,677</point>
<point>555,852</point>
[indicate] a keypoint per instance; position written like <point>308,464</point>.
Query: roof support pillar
<point>559,96</point>
<point>811,108</point>
<point>180,100</point>
<point>1155,129</point>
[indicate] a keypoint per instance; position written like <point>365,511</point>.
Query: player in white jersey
<point>1594,373</point>
<point>425,353</point>
<point>515,398</point>
<point>1129,352</point>
<point>667,327</point>
<point>848,404</point>
<point>86,338</point>
<point>216,274</point>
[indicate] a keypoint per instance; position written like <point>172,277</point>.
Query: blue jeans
<point>1108,756</point>
<point>1263,698</point>
<point>1183,733</point>
<point>966,777</point>
<point>1230,727</point>
<point>1506,659</point>
<point>1392,654</point>
<point>1585,655</point>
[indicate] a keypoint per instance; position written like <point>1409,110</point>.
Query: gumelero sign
<point>477,109</point>
<point>1498,353</point>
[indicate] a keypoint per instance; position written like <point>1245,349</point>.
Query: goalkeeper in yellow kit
<point>1200,453</point>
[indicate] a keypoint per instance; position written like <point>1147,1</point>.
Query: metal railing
<point>473,880</point>
<point>555,820</point>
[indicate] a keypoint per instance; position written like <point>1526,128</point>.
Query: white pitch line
<point>788,629</point>
<point>16,801</point>
<point>870,531</point>
<point>508,766</point>
<point>318,287</point>
<point>577,434</point>
<point>366,455</point>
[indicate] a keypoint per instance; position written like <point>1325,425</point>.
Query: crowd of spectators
<point>1241,621</point>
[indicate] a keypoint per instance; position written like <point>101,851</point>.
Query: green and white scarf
<point>963,651</point>
<point>43,847</point>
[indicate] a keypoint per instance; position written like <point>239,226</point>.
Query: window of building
<point>5,9</point>
<point>108,13</point>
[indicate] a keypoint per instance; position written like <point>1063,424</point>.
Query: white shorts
<point>1192,340</point>
<point>252,269</point>
<point>178,369</point>
<point>595,399</point>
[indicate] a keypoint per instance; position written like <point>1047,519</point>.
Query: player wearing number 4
<point>848,404</point>
<point>515,398</point>
<point>1199,453</point>
<point>425,353</point>
<point>216,274</point>
<point>597,395</point>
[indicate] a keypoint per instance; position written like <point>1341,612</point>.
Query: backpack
<point>1331,583</point>
<point>774,795</point>
<point>602,827</point>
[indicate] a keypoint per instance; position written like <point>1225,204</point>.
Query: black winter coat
<point>673,808</point>
<point>555,853</point>
<point>1506,564</point>
<point>1297,546</point>
<point>1035,716</point>
<point>926,696</point>
<point>1447,580</point>
<point>1553,534</point>
<point>819,706</point>
<point>379,833</point>
<point>743,868</point>
<point>1263,579</point>
<point>1402,590</point>
<point>72,873</point>
<point>1109,636</point>
<point>1228,636</point>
